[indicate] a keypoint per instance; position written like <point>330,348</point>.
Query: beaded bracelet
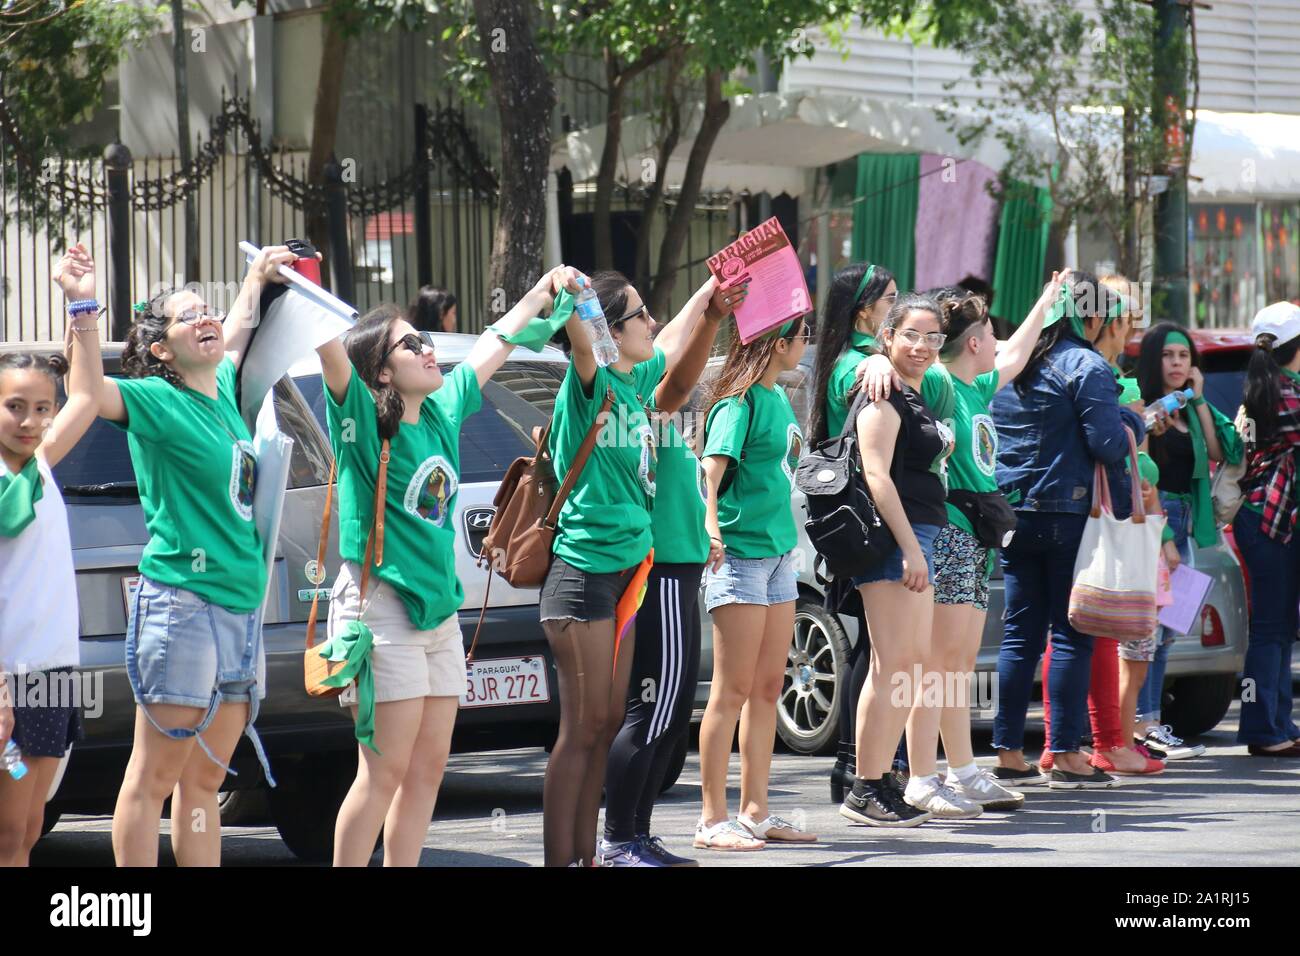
<point>79,306</point>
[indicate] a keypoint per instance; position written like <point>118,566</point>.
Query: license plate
<point>505,681</point>
<point>129,584</point>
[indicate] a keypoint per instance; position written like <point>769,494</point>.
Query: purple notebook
<point>1190,588</point>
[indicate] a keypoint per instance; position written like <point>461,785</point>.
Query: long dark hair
<point>150,326</point>
<point>53,366</point>
<point>1091,299</point>
<point>1150,364</point>
<point>835,331</point>
<point>742,368</point>
<point>611,288</point>
<point>428,307</point>
<point>1263,389</point>
<point>366,345</point>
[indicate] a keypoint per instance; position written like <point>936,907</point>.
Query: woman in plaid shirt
<point>1264,529</point>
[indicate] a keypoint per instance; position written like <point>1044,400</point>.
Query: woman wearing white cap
<point>1264,529</point>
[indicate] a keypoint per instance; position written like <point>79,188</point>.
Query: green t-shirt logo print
<point>431,488</point>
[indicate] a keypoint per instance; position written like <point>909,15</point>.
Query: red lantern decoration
<point>1221,219</point>
<point>1236,227</point>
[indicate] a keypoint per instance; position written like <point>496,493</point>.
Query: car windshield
<point>99,465</point>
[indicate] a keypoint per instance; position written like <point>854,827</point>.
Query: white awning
<point>771,141</point>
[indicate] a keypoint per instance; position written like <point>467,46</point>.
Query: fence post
<point>117,166</point>
<point>423,214</point>
<point>336,212</point>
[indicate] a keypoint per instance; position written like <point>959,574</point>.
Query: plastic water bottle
<point>588,308</point>
<point>12,761</point>
<point>1169,404</point>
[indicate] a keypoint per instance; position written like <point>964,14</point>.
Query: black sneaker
<point>1010,777</point>
<point>1065,780</point>
<point>875,803</point>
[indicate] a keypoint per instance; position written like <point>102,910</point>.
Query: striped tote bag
<point>1114,592</point>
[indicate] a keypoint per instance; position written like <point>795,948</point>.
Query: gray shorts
<point>765,581</point>
<point>572,594</point>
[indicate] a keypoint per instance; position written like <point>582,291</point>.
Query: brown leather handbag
<point>518,544</point>
<point>316,669</point>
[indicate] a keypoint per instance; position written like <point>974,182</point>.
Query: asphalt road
<point>1222,809</point>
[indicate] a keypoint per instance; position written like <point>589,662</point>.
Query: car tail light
<point>1211,627</point>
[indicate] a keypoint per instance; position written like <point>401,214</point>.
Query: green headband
<point>1178,338</point>
<point>1066,308</point>
<point>866,278</point>
<point>779,331</point>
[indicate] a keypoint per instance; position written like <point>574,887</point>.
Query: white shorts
<point>406,662</point>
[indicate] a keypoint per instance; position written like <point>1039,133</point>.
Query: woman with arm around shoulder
<point>38,609</point>
<point>384,385</point>
<point>1265,530</point>
<point>752,445</point>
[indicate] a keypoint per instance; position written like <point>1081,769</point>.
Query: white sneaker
<point>940,801</point>
<point>1163,744</point>
<point>986,791</point>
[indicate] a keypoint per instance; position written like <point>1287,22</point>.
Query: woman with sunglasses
<point>752,445</point>
<point>194,653</point>
<point>859,298</point>
<point>383,383</point>
<point>904,450</point>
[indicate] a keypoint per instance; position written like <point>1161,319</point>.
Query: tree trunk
<point>1130,263</point>
<point>716,111</point>
<point>324,130</point>
<point>603,232</point>
<point>525,98</point>
<point>183,137</point>
<point>672,120</point>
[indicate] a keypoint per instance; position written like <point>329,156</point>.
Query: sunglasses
<point>632,315</point>
<point>914,338</point>
<point>413,342</point>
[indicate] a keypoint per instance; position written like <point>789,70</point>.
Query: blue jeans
<point>1274,595</point>
<point>1152,692</point>
<point>1038,569</point>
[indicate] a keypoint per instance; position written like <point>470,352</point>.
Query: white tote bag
<point>1114,593</point>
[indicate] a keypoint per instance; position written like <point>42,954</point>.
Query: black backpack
<point>843,523</point>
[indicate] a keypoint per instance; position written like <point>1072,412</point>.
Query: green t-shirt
<point>194,464</point>
<point>755,513</point>
<point>974,459</point>
<point>678,523</point>
<point>423,478</point>
<point>605,525</point>
<point>843,375</point>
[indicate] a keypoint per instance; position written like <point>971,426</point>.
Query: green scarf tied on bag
<point>18,496</point>
<point>352,644</point>
<point>538,332</point>
<point>1204,531</point>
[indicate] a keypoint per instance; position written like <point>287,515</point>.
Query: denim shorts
<point>572,594</point>
<point>765,581</point>
<point>891,569</point>
<point>182,649</point>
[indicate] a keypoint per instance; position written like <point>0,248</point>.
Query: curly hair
<point>150,326</point>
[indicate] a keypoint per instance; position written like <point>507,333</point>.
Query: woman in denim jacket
<point>1060,417</point>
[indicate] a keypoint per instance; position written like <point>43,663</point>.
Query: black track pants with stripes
<point>660,698</point>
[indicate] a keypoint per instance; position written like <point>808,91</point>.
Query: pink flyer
<point>777,290</point>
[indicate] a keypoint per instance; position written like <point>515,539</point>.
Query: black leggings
<point>660,698</point>
<point>859,664</point>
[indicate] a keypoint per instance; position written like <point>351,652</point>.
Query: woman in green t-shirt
<point>752,445</point>
<point>194,653</point>
<point>383,383</point>
<point>603,541</point>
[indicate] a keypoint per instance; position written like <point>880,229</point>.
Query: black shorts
<point>45,725</point>
<point>570,593</point>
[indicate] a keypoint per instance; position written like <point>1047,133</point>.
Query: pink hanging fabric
<point>956,222</point>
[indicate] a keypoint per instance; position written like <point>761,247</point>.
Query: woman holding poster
<point>752,445</point>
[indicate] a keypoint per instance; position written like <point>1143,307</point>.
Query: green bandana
<point>866,278</point>
<point>18,496</point>
<point>352,645</point>
<point>1178,338</point>
<point>1066,308</point>
<point>538,332</point>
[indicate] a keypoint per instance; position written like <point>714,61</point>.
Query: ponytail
<point>1263,391</point>
<point>150,326</point>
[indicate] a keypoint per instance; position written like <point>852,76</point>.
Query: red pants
<point>1103,695</point>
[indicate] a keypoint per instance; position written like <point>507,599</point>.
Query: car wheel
<point>306,801</point>
<point>1198,703</point>
<point>243,808</point>
<point>808,710</point>
<point>676,763</point>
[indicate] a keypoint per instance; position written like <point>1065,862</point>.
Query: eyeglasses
<point>195,316</point>
<point>914,338</point>
<point>413,342</point>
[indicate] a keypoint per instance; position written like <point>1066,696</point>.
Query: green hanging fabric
<point>352,644</point>
<point>884,226</point>
<point>538,332</point>
<point>1022,251</point>
<point>18,496</point>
